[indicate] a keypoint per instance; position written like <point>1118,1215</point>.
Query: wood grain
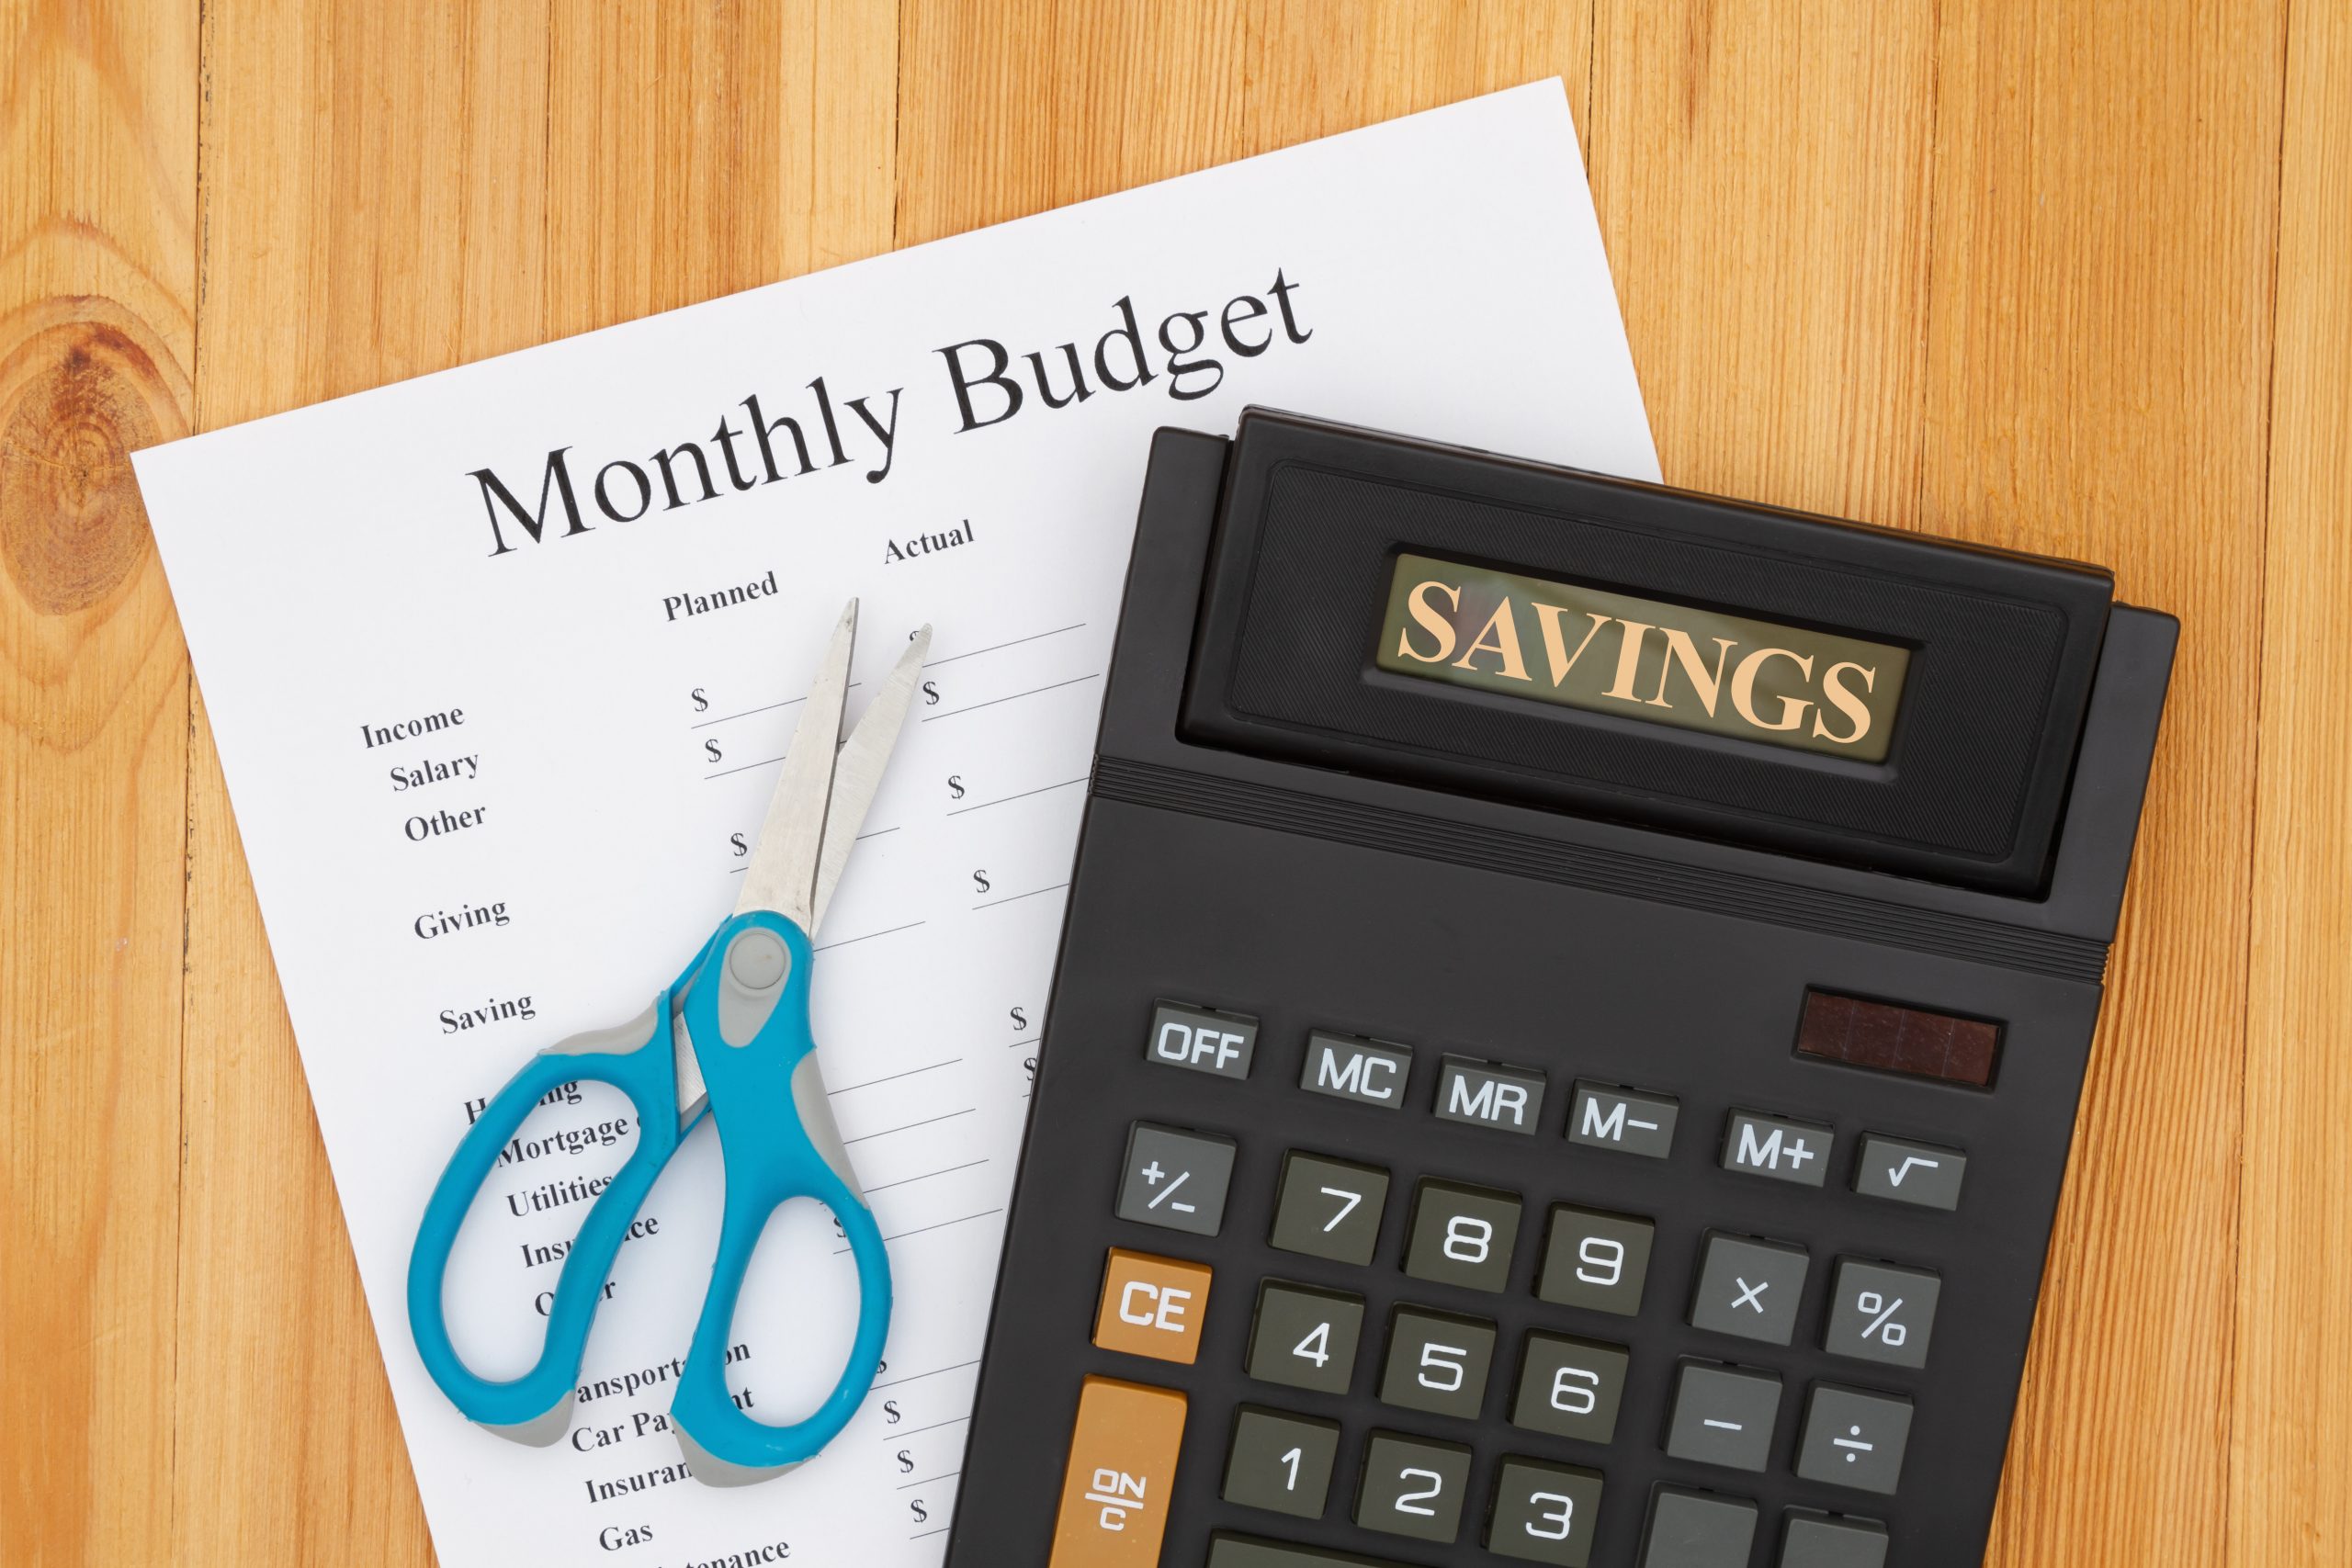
<point>2290,1490</point>
<point>98,292</point>
<point>2072,278</point>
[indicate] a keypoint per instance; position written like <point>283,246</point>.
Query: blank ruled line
<point>910,1431</point>
<point>1016,897</point>
<point>1024,795</point>
<point>921,1230</point>
<point>926,1121</point>
<point>869,936</point>
<point>929,1480</point>
<point>935,1372</point>
<point>893,1077</point>
<point>993,648</point>
<point>959,1220</point>
<point>1015,697</point>
<point>926,1176</point>
<point>746,768</point>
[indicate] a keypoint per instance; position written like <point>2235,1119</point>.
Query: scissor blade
<point>857,772</point>
<point>783,872</point>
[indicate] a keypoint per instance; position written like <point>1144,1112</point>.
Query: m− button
<point>1202,1040</point>
<point>1622,1119</point>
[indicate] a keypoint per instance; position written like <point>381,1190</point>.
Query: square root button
<point>1175,1179</point>
<point>1918,1174</point>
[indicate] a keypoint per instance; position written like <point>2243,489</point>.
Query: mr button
<point>1206,1042</point>
<point>1152,1306</point>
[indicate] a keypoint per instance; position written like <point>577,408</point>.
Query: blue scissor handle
<point>637,1059</point>
<point>777,1142</point>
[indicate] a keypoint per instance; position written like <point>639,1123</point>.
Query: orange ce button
<point>1152,1306</point>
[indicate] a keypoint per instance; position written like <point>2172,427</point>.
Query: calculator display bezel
<point>1971,792</point>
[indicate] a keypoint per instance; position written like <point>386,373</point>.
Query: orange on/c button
<point>1152,1306</point>
<point>1121,1468</point>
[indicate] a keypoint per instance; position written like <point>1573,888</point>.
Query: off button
<point>1122,1472</point>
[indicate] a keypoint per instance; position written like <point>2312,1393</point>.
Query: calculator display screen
<point>1642,659</point>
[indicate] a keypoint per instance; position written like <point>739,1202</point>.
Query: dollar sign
<point>922,1513</point>
<point>710,749</point>
<point>980,881</point>
<point>930,693</point>
<point>1020,1019</point>
<point>905,1462</point>
<point>955,786</point>
<point>702,703</point>
<point>741,849</point>
<point>1029,1066</point>
<point>891,1413</point>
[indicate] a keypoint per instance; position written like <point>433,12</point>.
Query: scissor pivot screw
<point>757,960</point>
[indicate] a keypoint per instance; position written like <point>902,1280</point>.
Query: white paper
<point>338,574</point>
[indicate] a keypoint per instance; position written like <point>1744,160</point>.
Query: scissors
<point>729,1036</point>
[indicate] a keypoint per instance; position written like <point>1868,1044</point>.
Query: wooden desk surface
<point>2071,277</point>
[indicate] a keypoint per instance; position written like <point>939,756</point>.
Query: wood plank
<point>1015,108</point>
<point>390,192</point>
<point>98,291</point>
<point>2098,365</point>
<point>2290,1493</point>
<point>1762,181</point>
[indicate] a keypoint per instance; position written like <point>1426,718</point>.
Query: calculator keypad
<point>1413,1487</point>
<point>1570,1388</point>
<point>1176,1179</point>
<point>1281,1463</point>
<point>1697,1530</point>
<point>1622,1118</point>
<point>1152,1306</point>
<point>1366,1071</point>
<point>1596,1260</point>
<point>1918,1174</point>
<point>1329,1208</point>
<point>1462,1235</point>
<point>1723,1415</point>
<point>1854,1437</point>
<point>1748,1287</point>
<point>1304,1337</point>
<point>1438,1359</point>
<point>1543,1512</point>
<point>1879,1313</point>
<point>1437,1363</point>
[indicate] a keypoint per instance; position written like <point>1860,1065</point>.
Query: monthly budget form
<point>500,663</point>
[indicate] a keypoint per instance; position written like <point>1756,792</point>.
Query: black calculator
<point>1570,1019</point>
